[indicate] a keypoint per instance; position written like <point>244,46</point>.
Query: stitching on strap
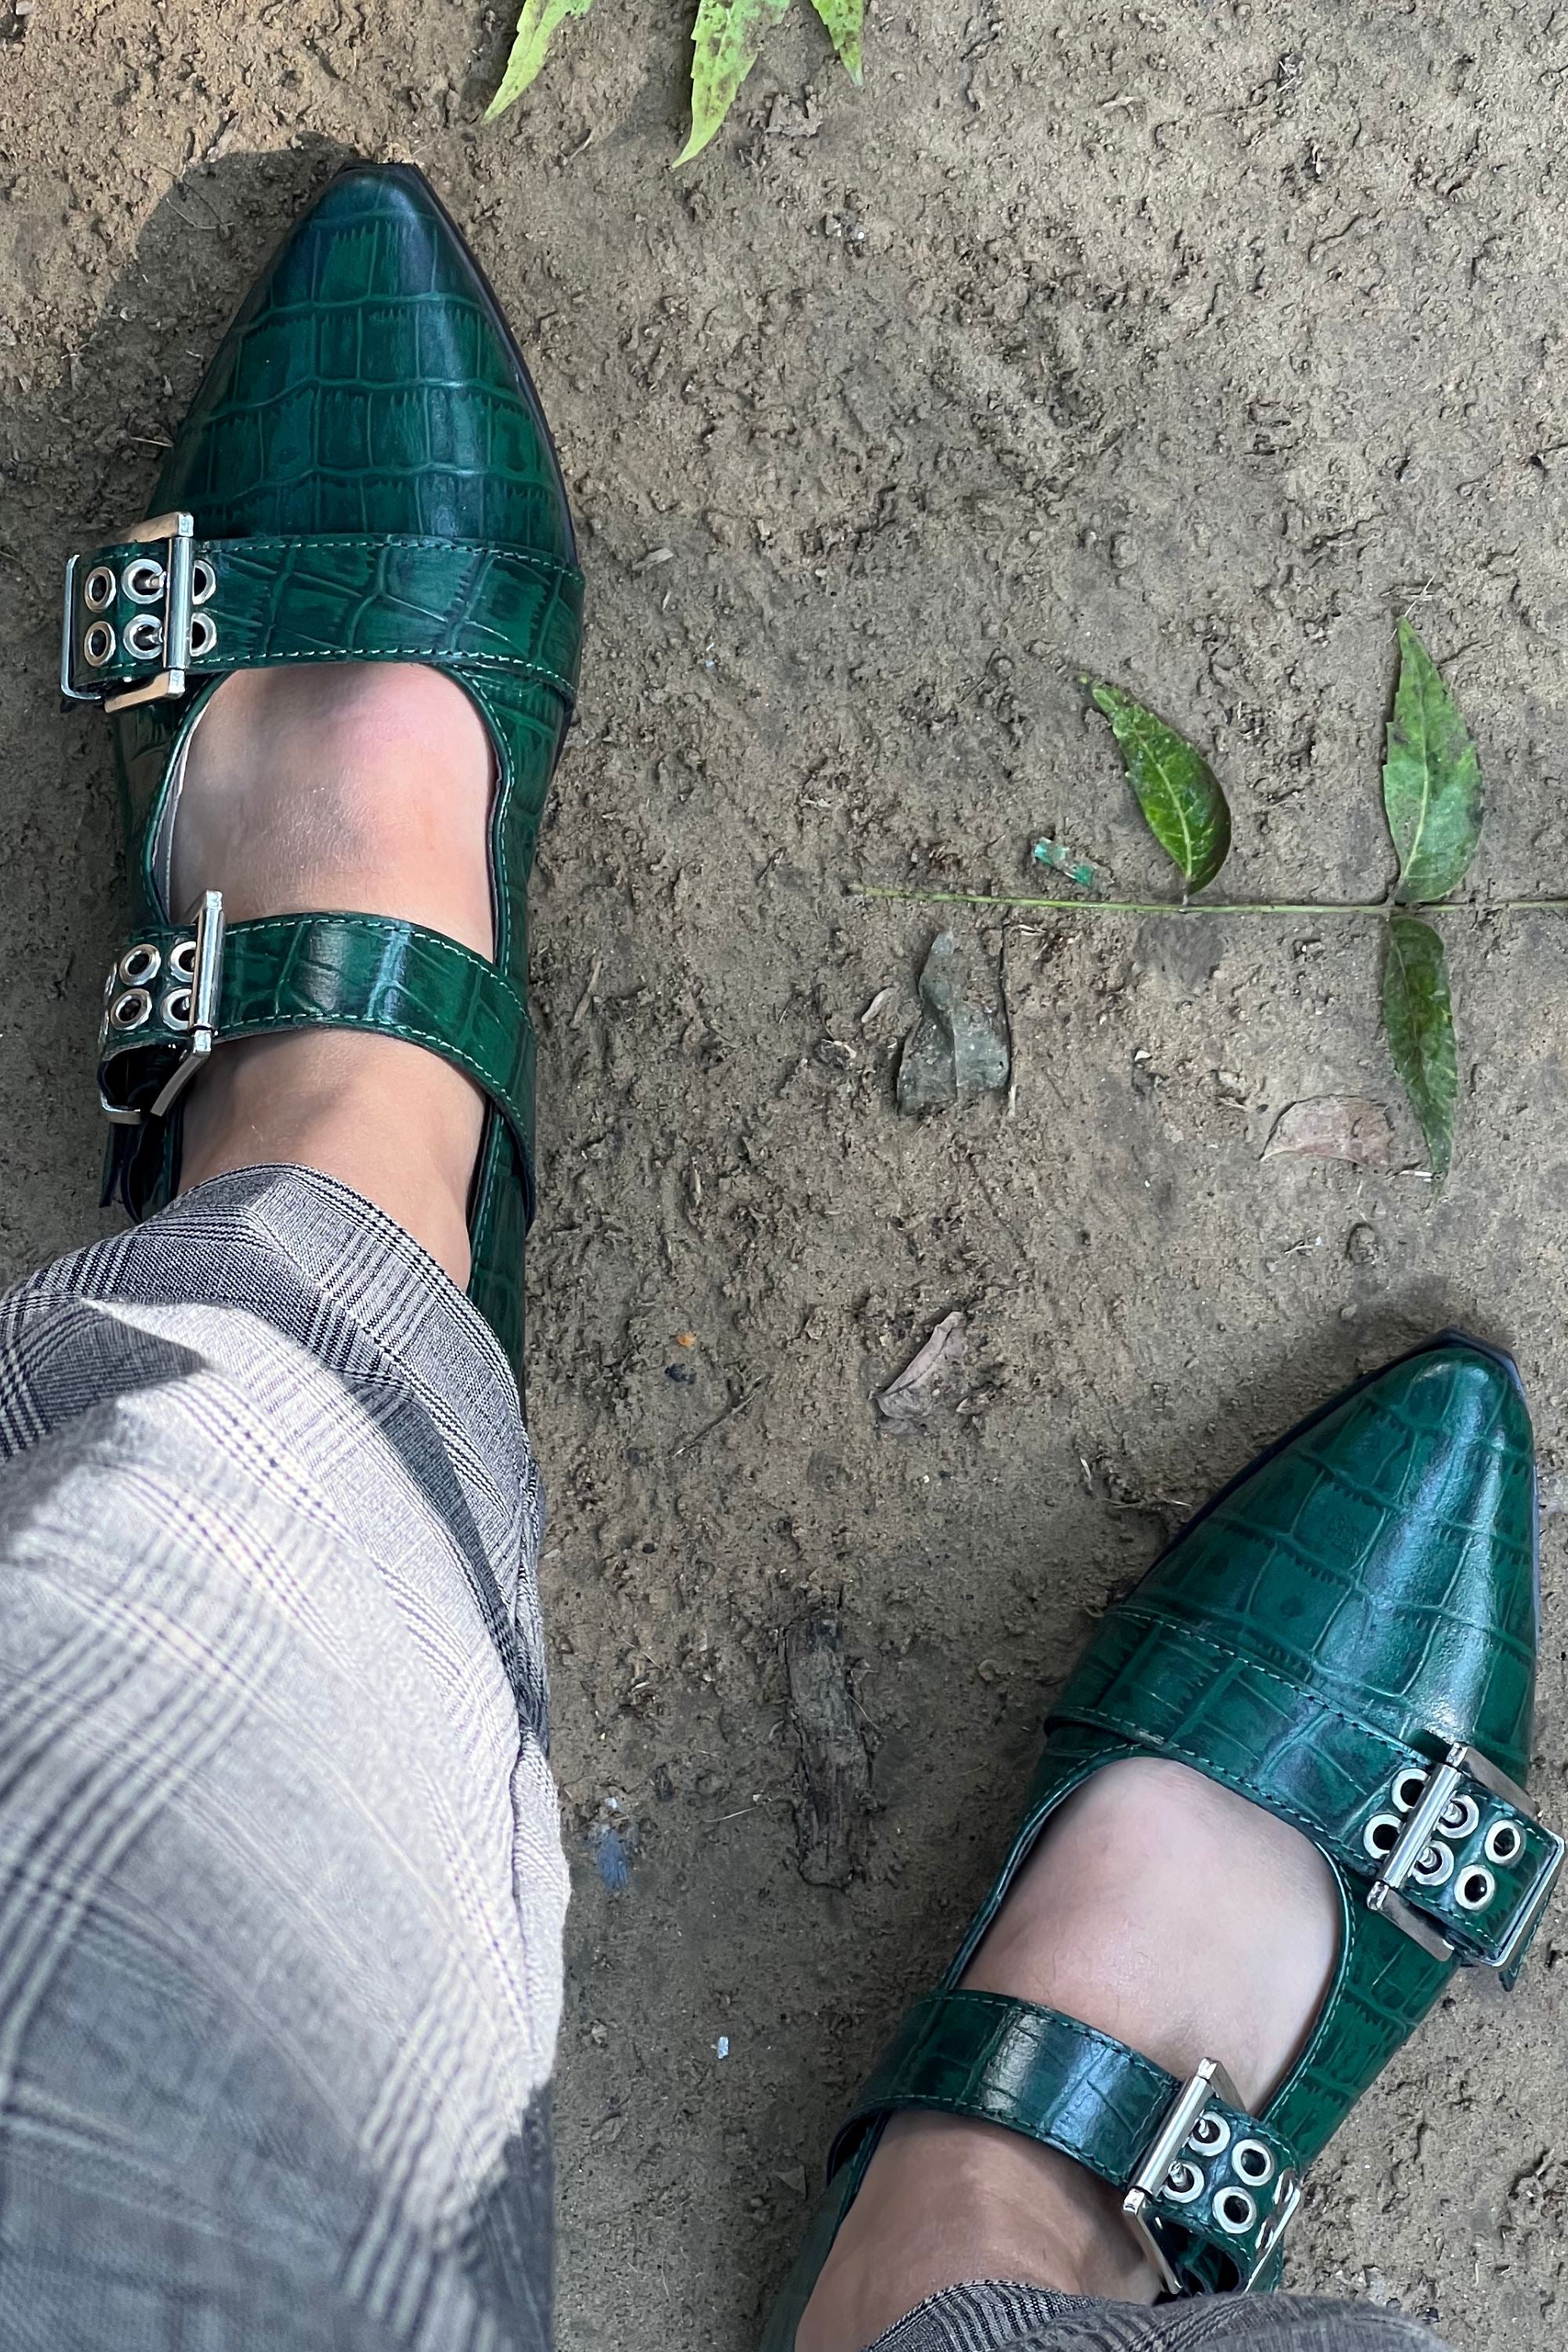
<point>1239,1657</point>
<point>546,564</point>
<point>385,925</point>
<point>449,655</point>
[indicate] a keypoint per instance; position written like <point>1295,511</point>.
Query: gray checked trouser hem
<point>992,2315</point>
<point>281,1884</point>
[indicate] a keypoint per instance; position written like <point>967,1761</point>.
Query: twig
<point>1379,908</point>
<point>730,1413</point>
<point>1009,1025</point>
<point>587,997</point>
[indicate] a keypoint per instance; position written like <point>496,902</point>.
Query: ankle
<point>948,2202</point>
<point>392,1120</point>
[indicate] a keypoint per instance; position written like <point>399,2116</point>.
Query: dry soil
<point>1188,345</point>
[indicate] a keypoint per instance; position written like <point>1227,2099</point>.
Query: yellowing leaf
<point>1177,792</point>
<point>1418,1015</point>
<point>725,38</point>
<point>535,28</point>
<point>844,20</point>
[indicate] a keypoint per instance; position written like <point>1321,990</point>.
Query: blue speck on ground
<point>610,1854</point>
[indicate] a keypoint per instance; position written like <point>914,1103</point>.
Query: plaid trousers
<point>281,1883</point>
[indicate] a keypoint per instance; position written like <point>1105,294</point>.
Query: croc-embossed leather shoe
<point>1347,1637</point>
<point>365,475</point>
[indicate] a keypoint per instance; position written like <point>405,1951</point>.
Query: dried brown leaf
<point>1334,1127</point>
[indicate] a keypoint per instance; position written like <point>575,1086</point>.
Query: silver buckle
<point>206,983</point>
<point>206,988</point>
<point>1443,1782</point>
<point>177,532</point>
<point>1210,2083</point>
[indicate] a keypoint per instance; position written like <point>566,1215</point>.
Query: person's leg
<point>993,2316</point>
<point>282,1886</point>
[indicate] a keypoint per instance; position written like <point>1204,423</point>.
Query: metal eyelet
<point>143,579</point>
<point>1407,1788</point>
<point>203,580</point>
<point>98,643</point>
<point>1434,1865</point>
<point>1382,1834</point>
<point>175,1012</point>
<point>1253,2161</point>
<point>1210,2135</point>
<point>144,637</point>
<point>1184,2183</point>
<point>1475,1889</point>
<point>1504,1842</point>
<point>131,1010</point>
<point>1460,1818</point>
<point>204,634</point>
<point>139,964</point>
<point>98,589</point>
<point>1235,2211</point>
<point>183,959</point>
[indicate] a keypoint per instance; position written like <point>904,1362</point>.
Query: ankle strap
<point>179,992</point>
<point>158,608</point>
<point>1207,2189</point>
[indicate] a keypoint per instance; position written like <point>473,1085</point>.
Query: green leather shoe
<point>1346,1636</point>
<point>365,475</point>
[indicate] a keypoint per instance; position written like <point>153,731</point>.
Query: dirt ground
<point>1187,345</point>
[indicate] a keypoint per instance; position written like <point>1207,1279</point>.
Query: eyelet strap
<point>1470,1885</point>
<point>1208,2190</point>
<point>158,607</point>
<point>175,985</point>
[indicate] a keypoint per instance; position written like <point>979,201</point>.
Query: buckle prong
<point>207,983</point>
<point>1209,2083</point>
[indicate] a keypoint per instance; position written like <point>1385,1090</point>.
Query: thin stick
<point>1378,908</point>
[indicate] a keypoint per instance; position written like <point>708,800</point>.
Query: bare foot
<point>361,787</point>
<point>1161,1908</point>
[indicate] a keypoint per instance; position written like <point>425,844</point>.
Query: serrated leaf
<point>1418,1016</point>
<point>844,20</point>
<point>1188,814</point>
<point>1431,779</point>
<point>725,39</point>
<point>535,28</point>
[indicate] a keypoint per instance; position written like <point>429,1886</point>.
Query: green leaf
<point>1176,790</point>
<point>844,20</point>
<point>726,38</point>
<point>1431,779</point>
<point>534,27</point>
<point>1418,1015</point>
